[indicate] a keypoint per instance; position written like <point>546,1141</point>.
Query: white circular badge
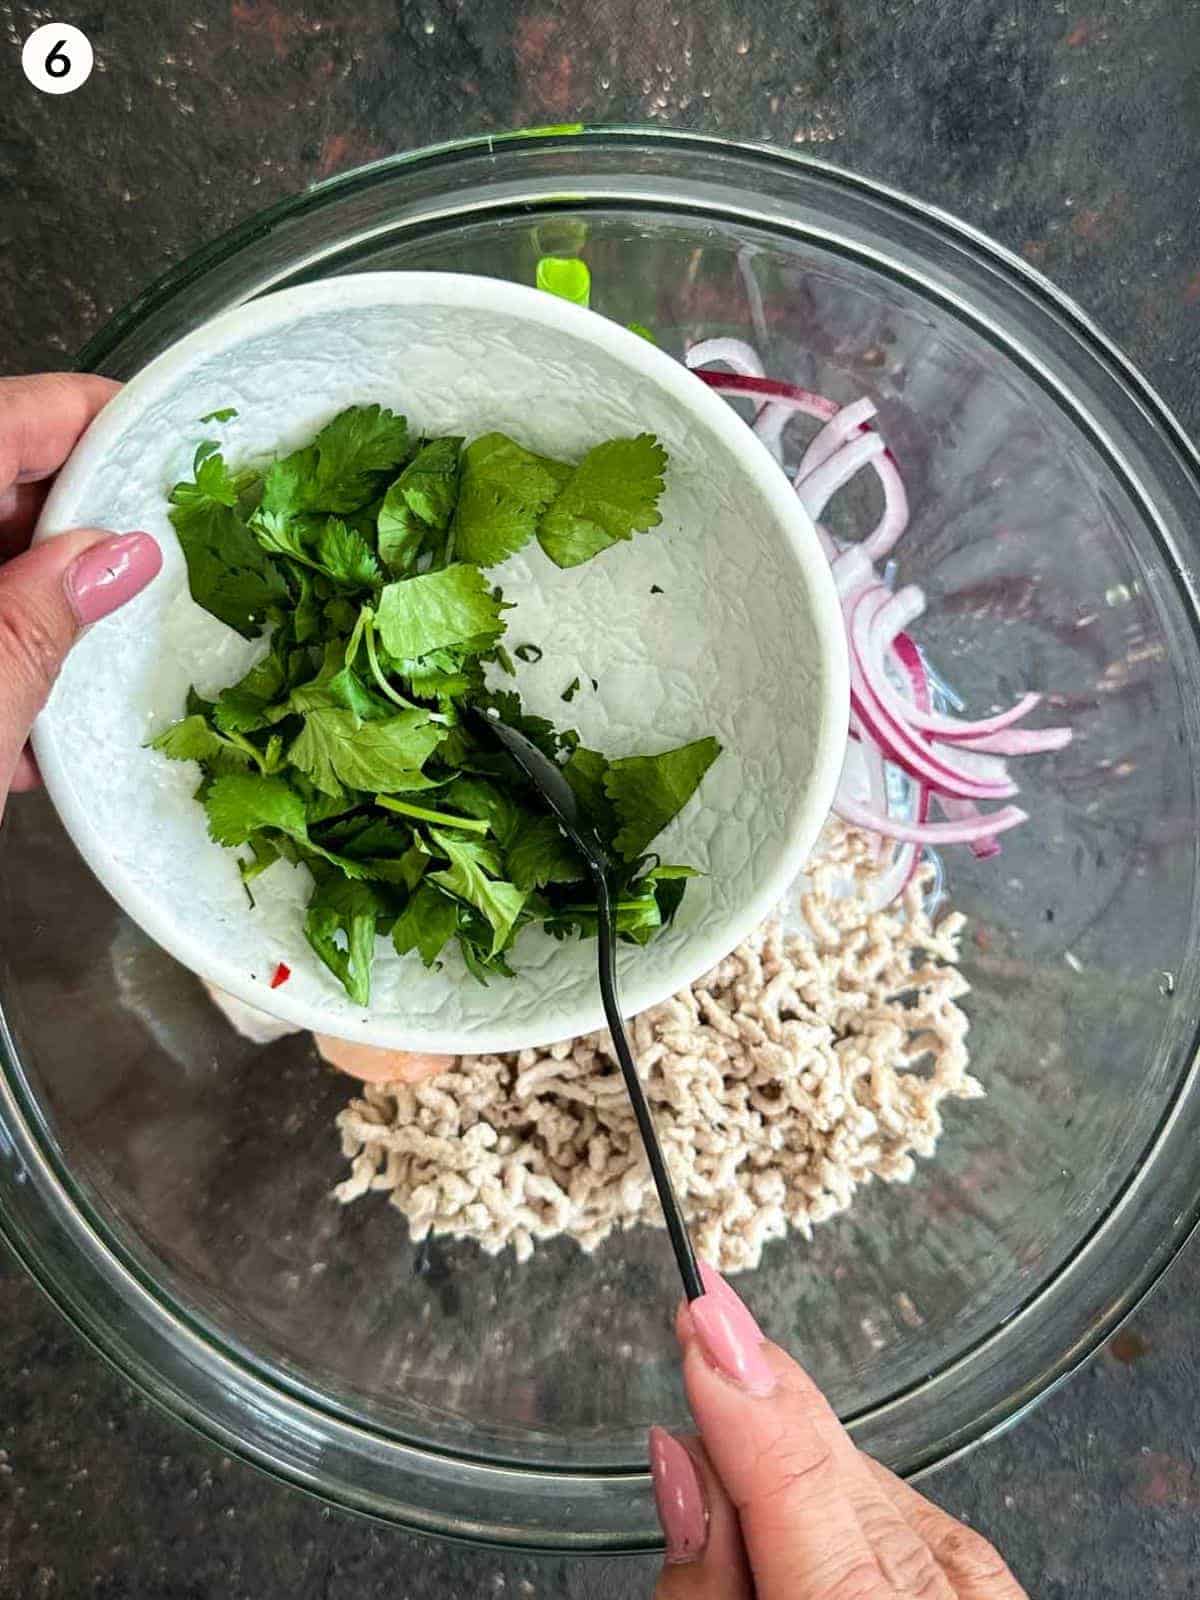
<point>57,58</point>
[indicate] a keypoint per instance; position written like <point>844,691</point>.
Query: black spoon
<point>554,789</point>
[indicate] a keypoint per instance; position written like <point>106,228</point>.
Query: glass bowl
<point>168,1182</point>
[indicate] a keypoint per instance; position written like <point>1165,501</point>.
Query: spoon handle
<point>685,1255</point>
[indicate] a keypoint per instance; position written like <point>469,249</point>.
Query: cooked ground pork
<point>801,1067</point>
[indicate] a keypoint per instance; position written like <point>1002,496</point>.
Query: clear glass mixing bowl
<point>168,1182</point>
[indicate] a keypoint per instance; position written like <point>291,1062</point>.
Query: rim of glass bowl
<point>268,1418</point>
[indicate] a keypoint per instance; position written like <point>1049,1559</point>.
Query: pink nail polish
<point>110,573</point>
<point>679,1498</point>
<point>730,1337</point>
<point>716,1286</point>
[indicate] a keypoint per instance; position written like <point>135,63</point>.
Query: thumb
<point>48,595</point>
<point>781,1454</point>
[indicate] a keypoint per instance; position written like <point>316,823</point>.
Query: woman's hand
<point>774,1502</point>
<point>48,595</point>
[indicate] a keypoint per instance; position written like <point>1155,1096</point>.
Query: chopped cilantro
<point>337,748</point>
<point>505,488</point>
<point>344,748</point>
<point>341,924</point>
<point>612,494</point>
<point>437,610</point>
<point>229,573</point>
<point>472,876</point>
<point>426,924</point>
<point>647,792</point>
<point>418,506</point>
<point>241,804</point>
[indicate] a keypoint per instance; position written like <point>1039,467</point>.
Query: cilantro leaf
<point>243,707</point>
<point>669,885</point>
<point>538,730</point>
<point>239,804</point>
<point>339,686</point>
<point>637,916</point>
<point>585,770</point>
<point>426,923</point>
<point>430,481</point>
<point>229,574</point>
<point>335,748</point>
<point>362,836</point>
<point>330,547</point>
<point>504,490</point>
<point>467,878</point>
<point>612,494</point>
<point>340,471</point>
<point>486,801</point>
<point>402,536</point>
<point>344,555</point>
<point>480,964</point>
<point>648,791</point>
<point>306,618</point>
<point>212,479</point>
<point>419,504</point>
<point>359,442</point>
<point>340,925</point>
<point>541,854</point>
<point>288,487</point>
<point>191,739</point>
<point>225,414</point>
<point>438,609</point>
<point>280,534</point>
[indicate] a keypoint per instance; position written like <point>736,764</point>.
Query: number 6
<point>58,62</point>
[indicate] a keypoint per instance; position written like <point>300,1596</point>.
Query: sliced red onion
<point>819,488</point>
<point>771,418</point>
<point>1018,741</point>
<point>852,571</point>
<point>904,607</point>
<point>930,833</point>
<point>849,420</point>
<point>894,520</point>
<point>961,812</point>
<point>789,395</point>
<point>952,761</point>
<point>912,664</point>
<point>943,771</point>
<point>735,353</point>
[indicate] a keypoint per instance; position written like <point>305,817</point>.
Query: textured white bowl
<point>745,641</point>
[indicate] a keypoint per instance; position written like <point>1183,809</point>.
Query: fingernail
<point>110,573</point>
<point>729,1335</point>
<point>679,1497</point>
<point>716,1285</point>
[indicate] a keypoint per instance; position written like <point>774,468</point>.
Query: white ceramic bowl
<point>744,642</point>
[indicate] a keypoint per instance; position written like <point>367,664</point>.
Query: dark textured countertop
<point>1067,133</point>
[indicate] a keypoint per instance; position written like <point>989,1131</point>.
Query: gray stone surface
<point>1067,133</point>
